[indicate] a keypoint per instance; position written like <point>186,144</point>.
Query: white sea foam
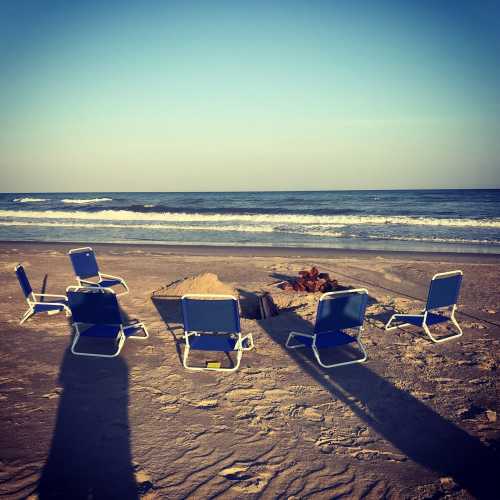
<point>233,228</point>
<point>84,201</point>
<point>433,240</point>
<point>29,200</point>
<point>169,227</point>
<point>261,228</point>
<point>275,219</point>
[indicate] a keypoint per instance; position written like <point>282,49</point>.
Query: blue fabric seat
<point>96,313</point>
<point>418,320</point>
<point>101,331</point>
<point>212,323</point>
<point>104,283</point>
<point>39,302</point>
<point>41,307</point>
<point>444,290</point>
<point>328,339</point>
<point>337,312</point>
<point>220,343</point>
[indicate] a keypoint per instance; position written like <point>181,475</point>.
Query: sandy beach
<point>417,420</point>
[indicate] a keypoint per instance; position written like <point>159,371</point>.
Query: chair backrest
<point>444,290</point>
<point>210,313</point>
<point>93,306</point>
<point>23,280</point>
<point>84,262</point>
<point>340,310</point>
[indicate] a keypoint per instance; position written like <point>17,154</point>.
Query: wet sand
<point>417,420</point>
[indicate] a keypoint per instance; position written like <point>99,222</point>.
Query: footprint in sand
<point>241,395</point>
<point>277,395</point>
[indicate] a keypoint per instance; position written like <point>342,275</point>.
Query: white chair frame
<point>313,336</point>
<point>32,301</point>
<point>238,348</point>
<point>424,313</point>
<point>120,338</point>
<point>102,276</point>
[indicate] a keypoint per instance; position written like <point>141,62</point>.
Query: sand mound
<point>202,283</point>
<point>297,300</point>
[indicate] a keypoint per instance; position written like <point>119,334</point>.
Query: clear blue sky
<point>174,96</point>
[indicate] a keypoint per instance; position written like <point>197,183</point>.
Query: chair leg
<point>139,337</point>
<point>291,336</point>
<point>185,357</point>
<point>449,337</point>
<point>27,315</point>
<point>344,363</point>
<point>251,346</point>
<point>239,354</point>
<point>121,341</point>
<point>391,319</point>
<point>124,284</point>
<point>455,322</point>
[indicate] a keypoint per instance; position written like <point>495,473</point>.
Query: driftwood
<point>311,281</point>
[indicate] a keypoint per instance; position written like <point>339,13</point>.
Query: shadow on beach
<point>409,425</point>
<point>90,455</point>
<point>170,311</point>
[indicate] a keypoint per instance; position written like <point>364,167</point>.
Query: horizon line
<point>261,191</point>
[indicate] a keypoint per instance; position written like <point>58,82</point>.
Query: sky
<point>237,96</point>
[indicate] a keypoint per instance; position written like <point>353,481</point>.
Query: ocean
<point>416,220</point>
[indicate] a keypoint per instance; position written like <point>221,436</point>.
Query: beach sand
<point>417,420</point>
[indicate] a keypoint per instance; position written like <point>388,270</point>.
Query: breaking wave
<point>29,200</point>
<point>85,201</point>
<point>169,227</point>
<point>276,219</point>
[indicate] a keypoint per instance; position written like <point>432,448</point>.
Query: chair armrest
<point>110,276</point>
<point>62,304</point>
<point>249,338</point>
<point>50,295</point>
<point>303,334</point>
<point>133,324</point>
<point>88,282</point>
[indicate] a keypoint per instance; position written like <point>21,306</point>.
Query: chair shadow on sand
<point>409,425</point>
<point>90,454</point>
<point>170,311</point>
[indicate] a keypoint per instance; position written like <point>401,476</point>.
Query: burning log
<point>311,281</point>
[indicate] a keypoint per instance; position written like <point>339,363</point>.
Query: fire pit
<point>311,281</point>
<point>299,294</point>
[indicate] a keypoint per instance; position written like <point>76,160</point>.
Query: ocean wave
<point>232,210</point>
<point>275,219</point>
<point>97,225</point>
<point>83,201</point>
<point>433,239</point>
<point>29,200</point>
<point>173,227</point>
<point>304,231</point>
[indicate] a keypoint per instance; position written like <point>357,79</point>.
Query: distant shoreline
<point>258,251</point>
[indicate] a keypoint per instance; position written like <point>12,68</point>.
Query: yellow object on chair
<point>213,364</point>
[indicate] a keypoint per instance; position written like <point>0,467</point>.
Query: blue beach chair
<point>85,266</point>
<point>36,301</point>
<point>212,323</point>
<point>337,312</point>
<point>443,294</point>
<point>96,314</point>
